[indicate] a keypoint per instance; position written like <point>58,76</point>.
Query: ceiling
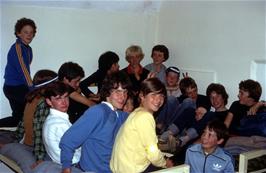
<point>111,5</point>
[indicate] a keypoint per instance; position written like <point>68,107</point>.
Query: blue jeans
<point>172,109</point>
<point>21,154</point>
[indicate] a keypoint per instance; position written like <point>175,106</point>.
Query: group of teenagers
<point>138,112</point>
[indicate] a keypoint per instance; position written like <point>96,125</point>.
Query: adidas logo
<point>216,167</point>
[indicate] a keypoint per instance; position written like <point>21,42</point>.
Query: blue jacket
<point>16,72</point>
<point>95,132</point>
<point>218,161</point>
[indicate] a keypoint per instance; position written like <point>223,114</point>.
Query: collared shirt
<point>95,132</point>
<point>54,127</point>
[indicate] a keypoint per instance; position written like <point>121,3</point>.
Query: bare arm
<point>81,99</point>
<point>228,119</point>
<point>66,170</point>
<point>254,109</point>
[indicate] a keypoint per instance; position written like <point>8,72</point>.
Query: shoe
<point>172,143</point>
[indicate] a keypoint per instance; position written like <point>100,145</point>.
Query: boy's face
<point>192,93</point>
<point>152,102</point>
<point>74,83</point>
<point>172,79</point>
<point>134,59</point>
<point>114,68</point>
<point>117,97</point>
<point>158,57</point>
<point>217,100</point>
<point>244,98</point>
<point>58,102</point>
<point>26,34</point>
<point>209,140</point>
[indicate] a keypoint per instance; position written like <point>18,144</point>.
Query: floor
<point>5,169</point>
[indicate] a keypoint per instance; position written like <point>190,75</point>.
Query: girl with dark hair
<point>129,154</point>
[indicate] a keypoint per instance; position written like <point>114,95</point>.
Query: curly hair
<point>23,22</point>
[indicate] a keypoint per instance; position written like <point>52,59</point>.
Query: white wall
<point>213,41</point>
<point>78,35</point>
<point>222,37</point>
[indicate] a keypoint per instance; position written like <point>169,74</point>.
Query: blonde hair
<point>134,49</point>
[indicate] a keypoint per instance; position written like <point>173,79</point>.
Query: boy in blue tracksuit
<point>96,129</point>
<point>17,71</point>
<point>208,157</point>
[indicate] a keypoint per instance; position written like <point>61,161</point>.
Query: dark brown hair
<point>23,22</point>
<point>219,89</point>
<point>252,87</point>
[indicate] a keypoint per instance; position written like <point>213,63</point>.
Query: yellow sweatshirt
<point>135,146</point>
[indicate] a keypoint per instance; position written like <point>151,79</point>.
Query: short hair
<point>219,89</point>
<point>219,128</point>
<point>40,80</point>
<point>55,89</point>
<point>186,83</point>
<point>132,49</point>
<point>70,70</point>
<point>106,60</point>
<point>23,22</point>
<point>152,85</point>
<point>113,81</point>
<point>252,87</point>
<point>161,48</point>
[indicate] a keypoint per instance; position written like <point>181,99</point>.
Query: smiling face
<point>26,34</point>
<point>58,102</point>
<point>209,140</point>
<point>217,101</point>
<point>117,97</point>
<point>158,57</point>
<point>152,101</point>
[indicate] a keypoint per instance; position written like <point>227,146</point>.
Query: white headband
<point>47,82</point>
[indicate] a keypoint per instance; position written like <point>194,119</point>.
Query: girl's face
<point>172,79</point>
<point>26,34</point>
<point>129,105</point>
<point>217,100</point>
<point>152,102</point>
<point>158,57</point>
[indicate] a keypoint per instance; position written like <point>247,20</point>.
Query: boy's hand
<point>200,112</point>
<point>169,163</point>
<point>254,109</point>
<point>34,165</point>
<point>66,170</point>
<point>185,75</point>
